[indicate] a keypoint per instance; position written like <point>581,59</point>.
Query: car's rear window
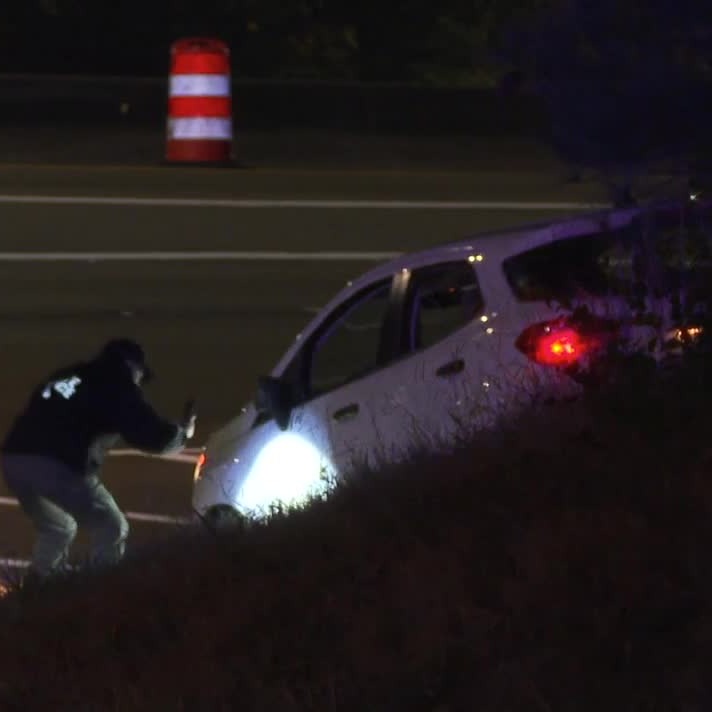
<point>600,264</point>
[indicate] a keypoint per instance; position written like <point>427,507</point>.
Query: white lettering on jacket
<point>66,388</point>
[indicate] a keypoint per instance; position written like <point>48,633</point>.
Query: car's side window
<point>443,298</point>
<point>348,345</point>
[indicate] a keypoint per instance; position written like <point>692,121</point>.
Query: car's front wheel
<point>223,516</point>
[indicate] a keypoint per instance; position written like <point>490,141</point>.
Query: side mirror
<point>274,397</point>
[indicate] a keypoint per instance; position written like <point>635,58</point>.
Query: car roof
<point>496,246</point>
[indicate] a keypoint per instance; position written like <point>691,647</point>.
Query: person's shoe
<point>33,580</point>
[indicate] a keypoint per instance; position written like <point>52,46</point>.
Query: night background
<point>616,87</point>
<point>449,42</point>
<point>561,563</point>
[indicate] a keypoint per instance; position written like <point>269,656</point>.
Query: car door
<point>330,380</point>
<point>348,366</point>
<point>447,336</point>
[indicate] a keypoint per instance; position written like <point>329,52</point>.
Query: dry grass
<point>561,567</point>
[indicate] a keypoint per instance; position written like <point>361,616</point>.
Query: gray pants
<point>57,500</point>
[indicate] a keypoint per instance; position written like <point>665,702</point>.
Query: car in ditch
<point>439,343</point>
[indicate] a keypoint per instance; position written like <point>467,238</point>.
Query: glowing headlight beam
<point>288,470</point>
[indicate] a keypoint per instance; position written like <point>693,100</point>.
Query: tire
<point>223,516</point>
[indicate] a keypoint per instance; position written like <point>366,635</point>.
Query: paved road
<point>133,145</point>
<point>209,326</point>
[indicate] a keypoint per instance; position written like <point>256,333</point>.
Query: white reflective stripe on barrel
<point>199,85</point>
<point>199,128</point>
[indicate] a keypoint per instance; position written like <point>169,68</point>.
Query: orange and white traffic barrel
<point>199,102</point>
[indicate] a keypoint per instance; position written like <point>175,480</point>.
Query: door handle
<point>451,368</point>
<point>348,411</point>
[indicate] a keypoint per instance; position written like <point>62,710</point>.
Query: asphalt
<point>99,143</point>
<point>209,327</point>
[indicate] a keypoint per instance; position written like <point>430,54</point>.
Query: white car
<point>420,349</point>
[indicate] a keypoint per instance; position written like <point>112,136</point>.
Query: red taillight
<point>559,348</point>
<point>563,342</point>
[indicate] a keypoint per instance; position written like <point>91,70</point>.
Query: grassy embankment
<point>565,566</point>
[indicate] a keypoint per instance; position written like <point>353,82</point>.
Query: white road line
<point>156,518</point>
<point>297,203</point>
<point>14,564</point>
<point>187,456</point>
<point>137,516</point>
<point>189,256</point>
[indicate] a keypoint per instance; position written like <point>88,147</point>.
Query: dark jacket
<point>81,411</point>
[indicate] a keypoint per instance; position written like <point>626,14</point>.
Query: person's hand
<point>190,427</point>
<point>189,418</point>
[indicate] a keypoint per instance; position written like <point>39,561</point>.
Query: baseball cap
<point>130,351</point>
